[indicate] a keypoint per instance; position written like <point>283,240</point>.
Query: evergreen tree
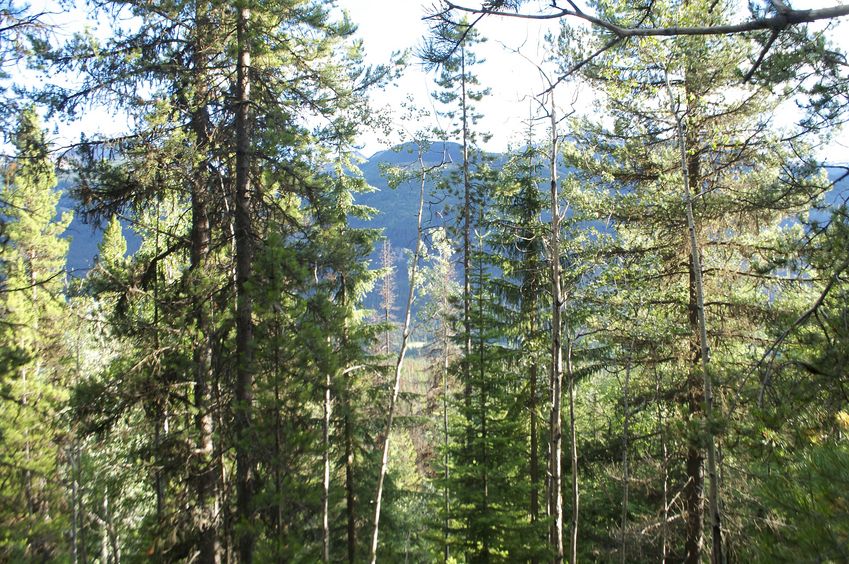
<point>34,387</point>
<point>459,92</point>
<point>518,242</point>
<point>745,188</point>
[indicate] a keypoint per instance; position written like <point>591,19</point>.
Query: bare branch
<point>785,18</point>
<point>766,48</point>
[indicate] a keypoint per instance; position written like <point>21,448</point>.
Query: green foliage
<point>33,384</point>
<point>750,194</point>
<point>805,509</point>
<point>120,413</point>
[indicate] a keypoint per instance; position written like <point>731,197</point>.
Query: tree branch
<point>785,18</point>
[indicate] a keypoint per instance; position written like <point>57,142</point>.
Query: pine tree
<point>459,92</point>
<point>33,351</point>
<point>743,186</point>
<point>239,170</point>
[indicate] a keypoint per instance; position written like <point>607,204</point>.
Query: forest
<point>623,338</point>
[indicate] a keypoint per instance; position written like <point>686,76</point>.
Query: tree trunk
<point>485,545</point>
<point>325,498</point>
<point>104,532</point>
<point>446,456</point>
<point>278,448</point>
<point>244,306</point>
<point>350,499</point>
<point>206,512</point>
<point>700,350</point>
<point>693,497</point>
<point>348,430</point>
<point>387,292</point>
<point>399,363</point>
<point>534,455</point>
<point>467,245</point>
<point>573,455</point>
<point>661,429</point>
<point>625,476</point>
<point>556,434</point>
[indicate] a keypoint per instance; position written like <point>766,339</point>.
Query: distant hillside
<point>397,207</point>
<point>85,238</point>
<point>396,211</point>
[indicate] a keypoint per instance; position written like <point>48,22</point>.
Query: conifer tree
<point>240,169</point>
<point>459,92</point>
<point>518,240</point>
<point>744,184</point>
<point>32,298</point>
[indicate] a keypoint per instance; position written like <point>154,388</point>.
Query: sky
<point>393,25</point>
<point>389,26</point>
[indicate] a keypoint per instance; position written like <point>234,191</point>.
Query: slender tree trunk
<point>701,351</point>
<point>81,547</point>
<point>244,305</point>
<point>625,475</point>
<point>226,521</point>
<point>113,534</point>
<point>661,429</point>
<point>278,448</point>
<point>446,456</point>
<point>399,363</point>
<point>534,458</point>
<point>75,505</point>
<point>206,512</point>
<point>348,438</point>
<point>108,534</point>
<point>350,499</point>
<point>325,498</point>
<point>77,522</point>
<point>104,532</point>
<point>573,455</point>
<point>467,245</point>
<point>387,292</point>
<point>485,545</point>
<point>29,490</point>
<point>693,497</point>
<point>160,423</point>
<point>556,434</point>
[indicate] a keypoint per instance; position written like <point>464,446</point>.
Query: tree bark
<point>467,243</point>
<point>244,306</point>
<point>534,458</point>
<point>206,511</point>
<point>325,498</point>
<point>573,436</point>
<point>485,545</point>
<point>661,429</point>
<point>701,352</point>
<point>556,434</point>
<point>446,455</point>
<point>625,475</point>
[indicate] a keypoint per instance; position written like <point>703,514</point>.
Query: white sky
<point>394,25</point>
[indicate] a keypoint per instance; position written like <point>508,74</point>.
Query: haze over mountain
<point>395,210</point>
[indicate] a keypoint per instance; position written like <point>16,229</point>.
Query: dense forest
<point>623,338</point>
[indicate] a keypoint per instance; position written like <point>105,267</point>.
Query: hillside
<point>396,211</point>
